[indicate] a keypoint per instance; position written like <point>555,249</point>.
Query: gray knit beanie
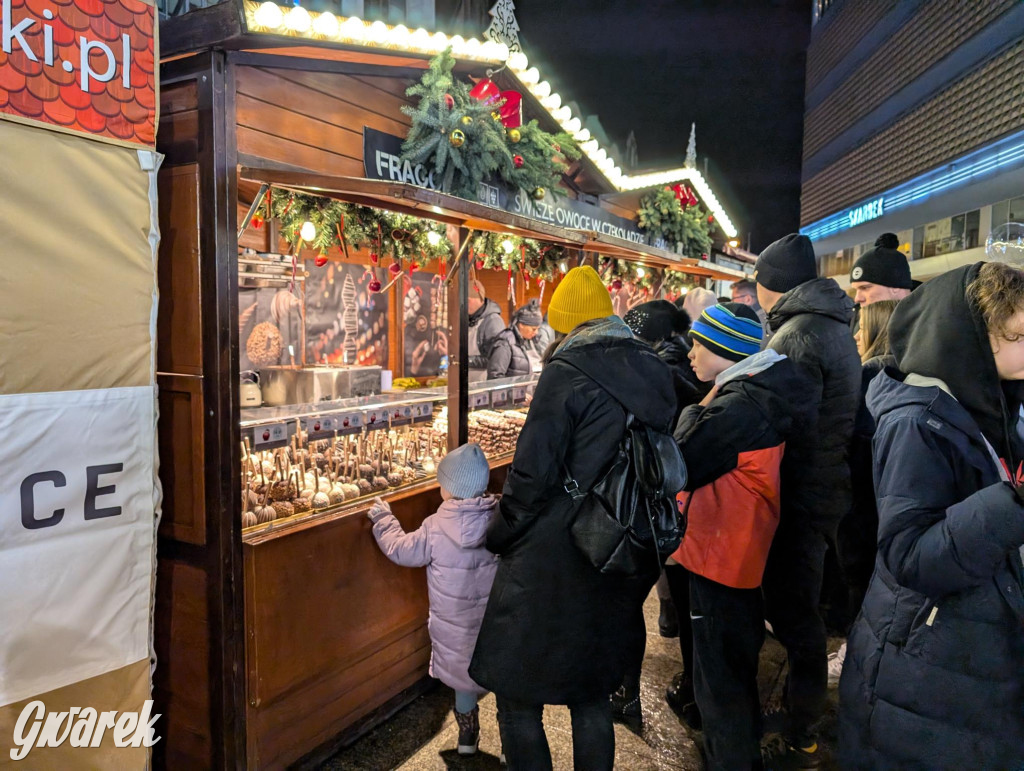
<point>464,472</point>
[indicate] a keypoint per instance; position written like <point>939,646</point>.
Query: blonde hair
<point>874,328</point>
<point>998,295</point>
<point>697,300</point>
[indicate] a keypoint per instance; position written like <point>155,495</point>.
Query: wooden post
<point>458,344</point>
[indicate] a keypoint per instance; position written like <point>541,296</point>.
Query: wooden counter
<point>334,630</point>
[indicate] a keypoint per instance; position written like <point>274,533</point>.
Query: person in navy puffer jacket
<point>934,670</point>
<point>460,572</point>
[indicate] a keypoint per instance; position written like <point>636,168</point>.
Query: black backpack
<point>628,523</point>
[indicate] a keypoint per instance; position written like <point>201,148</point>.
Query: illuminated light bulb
<point>562,114</point>
<point>378,33</point>
<point>458,44</point>
<point>508,246</point>
<point>398,36</point>
<point>326,24</point>
<point>517,61</point>
<point>268,15</point>
<point>472,47</point>
<point>541,90</point>
<point>684,290</point>
<point>590,146</point>
<point>552,102</point>
<point>583,135</point>
<point>353,29</point>
<point>530,77</point>
<point>501,51</point>
<point>640,273</point>
<point>598,155</point>
<point>563,266</point>
<point>438,42</point>
<point>308,230</point>
<point>733,243</point>
<point>298,19</point>
<point>420,40</point>
<point>573,126</point>
<point>433,238</point>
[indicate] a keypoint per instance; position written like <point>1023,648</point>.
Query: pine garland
<point>533,258</point>
<point>483,150</point>
<point>685,229</point>
<point>466,144</point>
<point>544,158</point>
<point>400,236</point>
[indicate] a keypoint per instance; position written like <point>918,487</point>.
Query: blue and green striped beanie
<point>730,330</point>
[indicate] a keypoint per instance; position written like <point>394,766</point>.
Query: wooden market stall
<point>276,643</point>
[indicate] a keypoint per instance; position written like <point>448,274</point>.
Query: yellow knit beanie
<point>579,297</point>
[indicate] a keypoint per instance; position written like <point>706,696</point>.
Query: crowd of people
<point>884,430</point>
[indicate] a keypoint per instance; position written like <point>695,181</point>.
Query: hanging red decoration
<point>414,267</point>
<point>691,198</point>
<point>517,161</point>
<point>486,91</point>
<point>395,268</point>
<point>374,258</point>
<point>710,219</point>
<point>320,260</point>
<point>257,221</point>
<point>616,285</point>
<point>374,285</point>
<point>479,264</point>
<point>704,256</point>
<point>449,101</point>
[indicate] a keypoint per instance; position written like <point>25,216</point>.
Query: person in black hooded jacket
<point>810,320</point>
<point>934,672</point>
<point>557,630</point>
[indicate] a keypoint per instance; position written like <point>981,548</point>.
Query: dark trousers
<point>526,747</point>
<point>679,586</point>
<point>728,631</point>
<point>792,589</point>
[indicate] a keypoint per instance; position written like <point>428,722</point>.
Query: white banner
<point>77,498</point>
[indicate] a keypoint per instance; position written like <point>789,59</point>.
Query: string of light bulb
<point>269,17</point>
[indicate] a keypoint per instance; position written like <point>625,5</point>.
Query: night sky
<point>734,67</point>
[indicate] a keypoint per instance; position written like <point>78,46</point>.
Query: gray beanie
<point>529,315</point>
<point>464,472</point>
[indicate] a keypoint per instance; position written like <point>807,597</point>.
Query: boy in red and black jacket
<point>733,443</point>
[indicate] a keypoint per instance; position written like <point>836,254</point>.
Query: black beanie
<point>884,265</point>
<point>656,321</point>
<point>786,263</point>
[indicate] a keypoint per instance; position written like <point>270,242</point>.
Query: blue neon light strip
<point>1005,152</point>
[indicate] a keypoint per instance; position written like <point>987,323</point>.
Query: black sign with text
<point>382,160</point>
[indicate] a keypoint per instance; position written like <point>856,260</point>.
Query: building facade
<point>913,124</point>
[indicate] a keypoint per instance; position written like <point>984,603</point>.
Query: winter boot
<point>469,730</point>
<point>626,705</point>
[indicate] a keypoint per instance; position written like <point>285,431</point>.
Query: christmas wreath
<point>686,228</point>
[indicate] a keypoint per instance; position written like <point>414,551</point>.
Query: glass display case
<point>305,460</point>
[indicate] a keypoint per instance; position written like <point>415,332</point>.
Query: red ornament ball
<point>374,258</point>
<point>704,256</point>
<point>710,219</point>
<point>395,268</point>
<point>449,101</point>
<point>414,267</point>
<point>479,264</point>
<point>616,285</point>
<point>320,260</point>
<point>374,285</point>
<point>517,161</point>
<point>257,221</point>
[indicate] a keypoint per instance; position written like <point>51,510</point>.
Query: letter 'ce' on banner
<point>82,66</point>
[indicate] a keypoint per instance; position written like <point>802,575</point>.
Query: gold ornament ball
<point>467,119</point>
<point>457,138</point>
<point>538,193</point>
<point>496,115</point>
<point>514,135</point>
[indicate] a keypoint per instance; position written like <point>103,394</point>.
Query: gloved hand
<point>377,510</point>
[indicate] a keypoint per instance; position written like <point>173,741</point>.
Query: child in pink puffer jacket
<point>460,572</point>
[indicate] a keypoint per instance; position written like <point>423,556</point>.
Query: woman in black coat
<point>557,631</point>
<point>934,672</point>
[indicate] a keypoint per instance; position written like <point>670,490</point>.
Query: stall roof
<point>293,32</point>
<point>431,204</point>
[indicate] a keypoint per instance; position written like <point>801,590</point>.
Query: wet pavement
<point>422,736</point>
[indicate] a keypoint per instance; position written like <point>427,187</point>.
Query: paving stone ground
<point>422,736</point>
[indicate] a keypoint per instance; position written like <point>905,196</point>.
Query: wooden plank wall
<point>315,120</point>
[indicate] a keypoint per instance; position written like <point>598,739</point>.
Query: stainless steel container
<point>297,385</point>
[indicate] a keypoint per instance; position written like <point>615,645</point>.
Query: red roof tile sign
<point>81,65</point>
